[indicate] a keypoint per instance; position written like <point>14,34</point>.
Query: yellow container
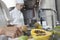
<point>45,37</point>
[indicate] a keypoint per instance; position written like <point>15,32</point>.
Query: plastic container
<point>45,37</point>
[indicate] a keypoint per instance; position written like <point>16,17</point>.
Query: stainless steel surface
<point>3,37</point>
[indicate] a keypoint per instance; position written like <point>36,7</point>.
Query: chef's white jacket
<point>17,17</point>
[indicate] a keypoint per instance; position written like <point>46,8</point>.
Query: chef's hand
<point>19,27</point>
<point>23,27</point>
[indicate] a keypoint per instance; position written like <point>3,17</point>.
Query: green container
<point>23,38</point>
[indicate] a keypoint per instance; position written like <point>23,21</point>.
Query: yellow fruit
<point>37,26</point>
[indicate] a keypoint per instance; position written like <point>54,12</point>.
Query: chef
<point>16,14</point>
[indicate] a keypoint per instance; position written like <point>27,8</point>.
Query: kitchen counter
<point>31,39</point>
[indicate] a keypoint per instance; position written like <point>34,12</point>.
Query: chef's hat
<point>20,1</point>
